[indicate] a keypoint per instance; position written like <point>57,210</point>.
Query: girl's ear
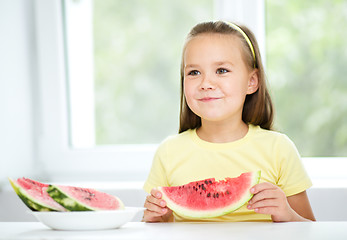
<point>253,82</point>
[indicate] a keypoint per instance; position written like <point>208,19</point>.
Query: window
<point>66,72</point>
<point>123,61</point>
<point>78,139</point>
<point>306,58</point>
<point>124,56</point>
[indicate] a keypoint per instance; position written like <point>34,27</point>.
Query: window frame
<point>58,160</point>
<point>114,162</point>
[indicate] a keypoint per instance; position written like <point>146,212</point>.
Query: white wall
<point>17,65</point>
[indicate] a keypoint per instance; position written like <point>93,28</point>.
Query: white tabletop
<point>201,231</point>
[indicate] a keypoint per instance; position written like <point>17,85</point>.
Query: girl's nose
<point>207,83</point>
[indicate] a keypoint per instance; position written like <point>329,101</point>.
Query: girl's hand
<point>156,209</point>
<point>270,199</point>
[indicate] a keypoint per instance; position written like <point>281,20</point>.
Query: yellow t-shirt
<point>185,157</point>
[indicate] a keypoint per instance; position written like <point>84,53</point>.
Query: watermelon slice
<point>83,199</point>
<point>210,198</point>
<point>34,195</point>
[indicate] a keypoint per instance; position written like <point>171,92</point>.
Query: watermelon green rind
<point>65,200</point>
<point>30,202</point>
<point>186,212</point>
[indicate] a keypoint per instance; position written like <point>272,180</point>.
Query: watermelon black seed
<point>32,182</point>
<point>217,195</point>
<point>210,182</point>
<point>227,192</point>
<point>208,194</point>
<point>206,182</point>
<point>203,187</point>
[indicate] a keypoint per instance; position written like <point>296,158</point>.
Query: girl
<point>226,117</point>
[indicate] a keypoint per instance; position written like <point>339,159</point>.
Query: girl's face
<point>216,79</point>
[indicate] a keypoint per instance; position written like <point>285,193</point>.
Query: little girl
<point>226,117</point>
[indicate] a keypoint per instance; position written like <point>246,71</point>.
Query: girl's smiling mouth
<point>208,99</point>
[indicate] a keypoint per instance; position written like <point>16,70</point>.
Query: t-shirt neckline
<point>218,146</point>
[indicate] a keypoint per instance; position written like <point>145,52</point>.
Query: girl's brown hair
<point>258,108</point>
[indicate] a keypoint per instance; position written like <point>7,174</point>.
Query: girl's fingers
<point>265,194</point>
<point>155,208</point>
<point>261,187</point>
<point>264,203</point>
<point>155,193</point>
<point>152,214</point>
<point>155,204</point>
<point>271,200</point>
<point>266,210</point>
<point>156,201</point>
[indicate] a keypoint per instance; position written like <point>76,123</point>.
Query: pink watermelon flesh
<point>210,198</point>
<point>33,191</point>
<point>89,198</point>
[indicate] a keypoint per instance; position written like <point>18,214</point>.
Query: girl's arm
<point>270,199</point>
<point>301,205</point>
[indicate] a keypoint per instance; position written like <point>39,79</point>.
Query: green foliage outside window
<point>306,68</point>
<point>137,47</point>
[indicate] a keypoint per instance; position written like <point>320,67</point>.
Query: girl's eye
<point>221,71</point>
<point>194,73</point>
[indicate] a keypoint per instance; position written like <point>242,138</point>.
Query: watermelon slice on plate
<point>44,197</point>
<point>84,199</point>
<point>210,198</point>
<point>34,195</point>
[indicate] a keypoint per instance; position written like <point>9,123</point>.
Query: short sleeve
<point>292,176</point>
<point>157,176</point>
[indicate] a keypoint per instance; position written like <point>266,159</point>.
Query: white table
<point>201,231</point>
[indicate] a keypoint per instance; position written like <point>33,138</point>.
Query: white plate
<point>87,220</point>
